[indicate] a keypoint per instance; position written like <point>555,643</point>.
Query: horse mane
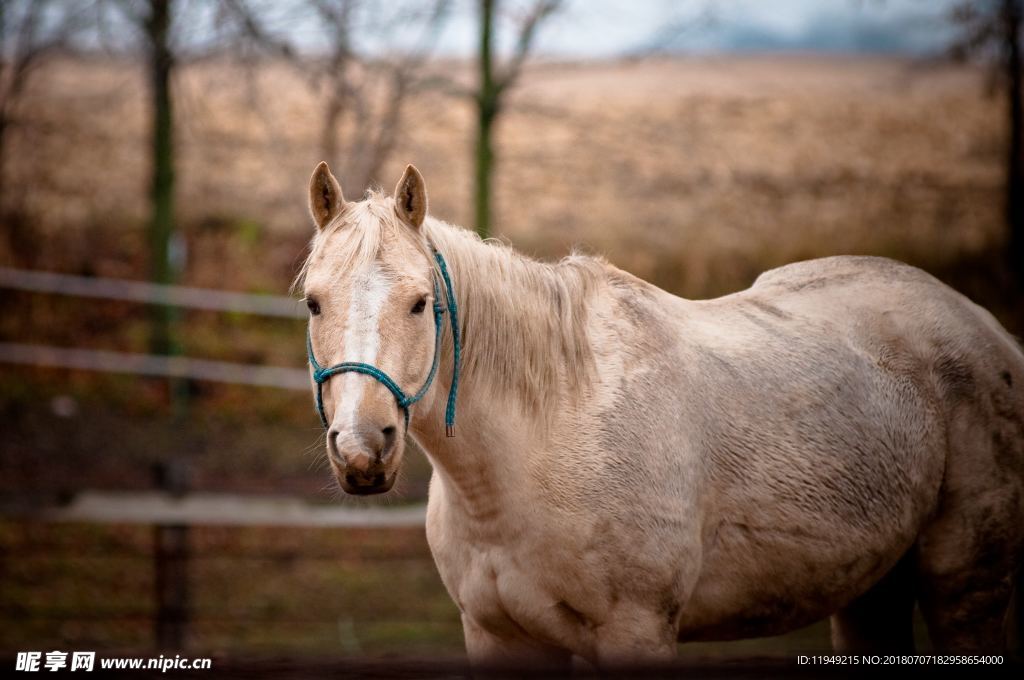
<point>524,322</point>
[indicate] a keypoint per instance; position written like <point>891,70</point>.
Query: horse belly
<point>768,582</point>
<point>782,566</point>
<point>818,502</point>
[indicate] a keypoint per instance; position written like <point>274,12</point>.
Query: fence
<point>150,293</point>
<point>148,364</point>
<point>174,510</point>
<point>248,590</point>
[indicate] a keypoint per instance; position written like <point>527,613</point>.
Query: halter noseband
<point>322,375</point>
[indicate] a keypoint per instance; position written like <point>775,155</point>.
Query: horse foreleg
<point>636,637</point>
<point>487,651</point>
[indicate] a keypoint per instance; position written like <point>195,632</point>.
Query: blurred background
<point>162,481</point>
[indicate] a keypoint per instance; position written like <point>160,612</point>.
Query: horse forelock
<point>352,241</point>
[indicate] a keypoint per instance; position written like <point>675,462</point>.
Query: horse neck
<point>508,381</point>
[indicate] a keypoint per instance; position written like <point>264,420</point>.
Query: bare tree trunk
<point>332,115</point>
<point>1015,220</point>
<point>161,226</point>
<point>3,112</point>
<point>338,98</point>
<point>387,131</point>
<point>3,163</point>
<point>20,55</point>
<point>487,111</point>
<point>1011,11</point>
<point>164,263</point>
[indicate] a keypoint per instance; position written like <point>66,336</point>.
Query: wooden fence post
<point>170,564</point>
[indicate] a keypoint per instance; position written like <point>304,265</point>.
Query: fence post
<point>170,563</point>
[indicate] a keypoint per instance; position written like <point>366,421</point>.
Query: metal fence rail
<point>151,293</point>
<point>149,364</point>
<point>154,365</point>
<point>219,509</point>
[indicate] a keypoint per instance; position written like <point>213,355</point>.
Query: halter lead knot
<point>322,375</point>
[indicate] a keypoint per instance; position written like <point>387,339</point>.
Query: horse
<point>630,469</point>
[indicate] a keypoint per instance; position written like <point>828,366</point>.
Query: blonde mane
<point>524,322</point>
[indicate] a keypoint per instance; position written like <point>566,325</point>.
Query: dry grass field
<point>696,173</point>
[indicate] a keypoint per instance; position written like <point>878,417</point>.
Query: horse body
<point>632,468</point>
<point>748,465</point>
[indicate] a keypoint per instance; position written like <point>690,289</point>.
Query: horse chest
<point>509,601</point>
<point>484,594</point>
<point>508,589</point>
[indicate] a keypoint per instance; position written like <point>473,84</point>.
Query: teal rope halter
<point>322,375</point>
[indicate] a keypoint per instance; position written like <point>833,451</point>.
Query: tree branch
<point>527,32</point>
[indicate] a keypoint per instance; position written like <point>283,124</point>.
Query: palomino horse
<point>630,469</point>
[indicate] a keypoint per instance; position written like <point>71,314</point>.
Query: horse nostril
<point>332,444</point>
<point>389,435</point>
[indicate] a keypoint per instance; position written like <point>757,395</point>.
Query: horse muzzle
<point>362,462</point>
<point>363,484</point>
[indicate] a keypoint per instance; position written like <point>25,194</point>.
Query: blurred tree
<point>494,83</point>
<point>165,34</point>
<point>167,31</point>
<point>30,31</point>
<point>157,26</point>
<point>155,21</point>
<point>366,95</point>
<point>991,29</point>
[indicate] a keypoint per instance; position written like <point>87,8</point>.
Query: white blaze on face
<point>361,342</point>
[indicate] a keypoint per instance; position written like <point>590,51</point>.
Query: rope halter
<point>405,401</point>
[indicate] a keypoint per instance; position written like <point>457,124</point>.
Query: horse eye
<point>420,305</point>
<point>314,306</point>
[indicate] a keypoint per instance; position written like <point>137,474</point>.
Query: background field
<point>696,174</point>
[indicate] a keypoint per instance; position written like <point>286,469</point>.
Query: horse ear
<point>325,197</point>
<point>411,197</point>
